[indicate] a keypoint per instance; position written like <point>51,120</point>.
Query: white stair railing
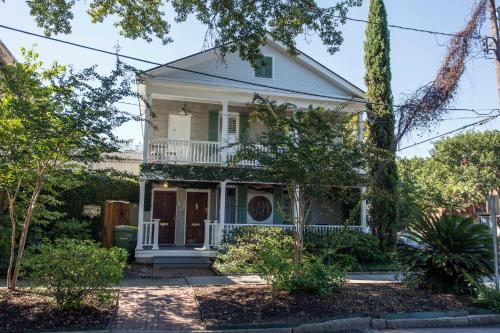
<point>211,234</point>
<point>151,233</point>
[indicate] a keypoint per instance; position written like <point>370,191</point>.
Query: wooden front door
<point>164,208</point>
<point>196,214</point>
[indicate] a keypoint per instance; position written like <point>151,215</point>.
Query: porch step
<point>182,261</point>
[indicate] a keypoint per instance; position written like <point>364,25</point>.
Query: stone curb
<point>340,325</point>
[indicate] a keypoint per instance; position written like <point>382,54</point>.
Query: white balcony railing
<point>194,152</point>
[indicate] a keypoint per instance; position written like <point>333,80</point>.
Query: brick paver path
<point>168,308</point>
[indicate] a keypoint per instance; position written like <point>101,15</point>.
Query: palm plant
<point>455,253</point>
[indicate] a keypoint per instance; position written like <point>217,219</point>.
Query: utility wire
<point>346,99</point>
<point>481,122</point>
<point>404,28</point>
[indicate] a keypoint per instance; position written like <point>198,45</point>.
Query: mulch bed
<point>244,305</point>
<point>23,311</point>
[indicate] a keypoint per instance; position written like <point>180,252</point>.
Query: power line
<point>405,28</point>
<point>346,99</point>
<point>481,122</point>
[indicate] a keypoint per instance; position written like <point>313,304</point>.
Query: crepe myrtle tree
<point>309,151</point>
<point>52,119</point>
<point>231,25</point>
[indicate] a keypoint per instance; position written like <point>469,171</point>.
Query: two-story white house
<point>189,196</point>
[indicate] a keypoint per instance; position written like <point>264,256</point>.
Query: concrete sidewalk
<point>225,280</point>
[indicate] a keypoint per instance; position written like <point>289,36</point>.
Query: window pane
<point>264,67</point>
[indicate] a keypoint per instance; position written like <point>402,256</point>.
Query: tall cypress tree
<point>383,195</point>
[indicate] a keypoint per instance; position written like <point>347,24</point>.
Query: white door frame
<point>171,122</point>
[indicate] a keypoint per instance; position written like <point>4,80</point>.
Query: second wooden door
<point>196,214</point>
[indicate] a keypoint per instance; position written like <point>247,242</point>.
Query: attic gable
<point>301,73</point>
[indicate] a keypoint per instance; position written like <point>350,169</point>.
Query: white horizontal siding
<point>288,73</point>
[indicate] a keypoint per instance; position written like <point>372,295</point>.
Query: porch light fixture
<point>165,184</point>
<point>185,110</point>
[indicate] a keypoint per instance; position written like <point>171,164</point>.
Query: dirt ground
<point>24,310</point>
<point>242,305</point>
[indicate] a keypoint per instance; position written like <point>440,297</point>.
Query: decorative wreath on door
<point>260,208</point>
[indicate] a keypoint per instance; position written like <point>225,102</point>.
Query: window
<point>264,67</point>
<point>232,127</point>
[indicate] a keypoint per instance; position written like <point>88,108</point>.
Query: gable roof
<point>6,58</point>
<point>193,64</point>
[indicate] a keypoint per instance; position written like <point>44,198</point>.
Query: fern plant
<point>454,256</point>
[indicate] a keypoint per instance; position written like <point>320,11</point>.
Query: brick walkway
<point>172,308</point>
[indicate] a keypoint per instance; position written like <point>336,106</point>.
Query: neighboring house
<point>6,58</point>
<point>188,196</point>
<point>125,161</point>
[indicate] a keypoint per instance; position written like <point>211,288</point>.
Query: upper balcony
<point>187,132</point>
<point>171,151</point>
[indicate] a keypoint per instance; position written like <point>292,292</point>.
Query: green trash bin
<point>125,236</point>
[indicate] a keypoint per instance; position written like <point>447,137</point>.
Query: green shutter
<point>277,205</point>
<point>242,204</point>
<point>213,126</point>
<point>244,128</point>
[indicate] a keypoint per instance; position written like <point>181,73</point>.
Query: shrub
<point>240,249</point>
<point>74,270</point>
<point>352,251</point>
<point>269,253</point>
<point>488,297</point>
<point>455,253</point>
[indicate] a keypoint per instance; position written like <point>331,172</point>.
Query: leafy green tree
<point>232,25</point>
<point>382,164</point>
<point>310,152</point>
<point>461,171</point>
<point>52,119</point>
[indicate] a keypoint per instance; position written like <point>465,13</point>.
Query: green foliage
<point>205,173</point>
<point>488,297</point>
<point>240,253</point>
<point>268,252</point>
<point>383,190</point>
<point>275,264</point>
<point>73,271</point>
<point>53,119</point>
<point>304,152</point>
<point>351,251</point>
<point>233,26</point>
<point>459,174</point>
<point>97,186</point>
<point>70,228</point>
<point>456,253</point>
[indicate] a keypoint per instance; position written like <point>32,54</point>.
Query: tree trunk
<point>298,221</point>
<point>12,244</point>
<point>24,235</point>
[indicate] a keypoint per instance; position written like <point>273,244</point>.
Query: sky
<point>415,57</point>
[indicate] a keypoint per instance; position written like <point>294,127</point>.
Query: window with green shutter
<point>264,67</point>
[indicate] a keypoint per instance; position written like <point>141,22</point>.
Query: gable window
<point>264,67</point>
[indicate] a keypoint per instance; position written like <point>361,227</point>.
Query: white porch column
<point>225,114</point>
<point>362,189</point>
<point>140,221</point>
<point>147,125</point>
<point>363,210</point>
<point>222,211</point>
